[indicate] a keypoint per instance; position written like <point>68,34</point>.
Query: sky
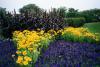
<point>10,5</point>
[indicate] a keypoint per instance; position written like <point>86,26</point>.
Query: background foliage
<point>33,17</point>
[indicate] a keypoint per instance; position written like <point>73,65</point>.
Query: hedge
<point>75,22</point>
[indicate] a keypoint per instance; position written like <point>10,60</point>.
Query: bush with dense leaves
<point>75,22</point>
<point>7,52</point>
<point>23,22</point>
<point>68,54</point>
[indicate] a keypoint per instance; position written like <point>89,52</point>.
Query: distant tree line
<point>32,17</point>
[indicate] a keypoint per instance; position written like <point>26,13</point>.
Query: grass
<point>93,27</point>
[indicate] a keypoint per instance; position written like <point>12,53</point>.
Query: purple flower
<point>66,54</point>
<point>7,49</point>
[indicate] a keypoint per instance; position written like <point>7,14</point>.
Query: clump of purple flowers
<point>68,54</point>
<point>7,52</point>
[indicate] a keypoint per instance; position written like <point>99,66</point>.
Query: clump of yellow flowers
<point>23,60</point>
<point>79,34</point>
<point>29,44</point>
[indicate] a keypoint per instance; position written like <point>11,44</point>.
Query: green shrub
<point>75,22</point>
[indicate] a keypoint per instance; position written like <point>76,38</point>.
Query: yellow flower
<point>24,52</point>
<point>16,33</point>
<point>18,52</point>
<point>25,62</point>
<point>38,29</point>
<point>52,32</point>
<point>30,49</point>
<point>77,33</point>
<point>41,32</point>
<point>29,40</point>
<point>26,58</point>
<point>59,31</point>
<point>20,59</point>
<point>29,59</point>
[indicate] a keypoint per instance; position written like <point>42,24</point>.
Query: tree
<point>92,15</point>
<point>30,9</point>
<point>72,13</point>
<point>62,12</point>
<point>2,16</point>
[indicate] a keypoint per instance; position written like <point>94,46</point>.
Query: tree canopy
<point>31,9</point>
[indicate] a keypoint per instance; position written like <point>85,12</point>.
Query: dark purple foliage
<point>67,54</point>
<point>7,49</point>
<point>27,21</point>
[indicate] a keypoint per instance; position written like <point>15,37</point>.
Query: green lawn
<point>93,27</point>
